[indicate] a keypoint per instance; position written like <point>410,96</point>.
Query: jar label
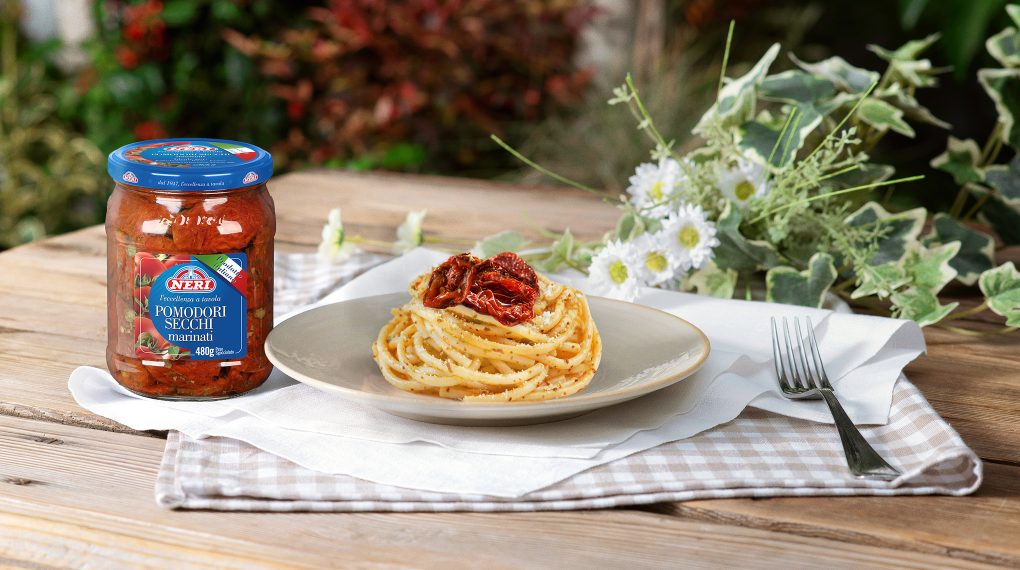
<point>191,306</point>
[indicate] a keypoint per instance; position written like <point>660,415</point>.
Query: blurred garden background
<point>419,85</point>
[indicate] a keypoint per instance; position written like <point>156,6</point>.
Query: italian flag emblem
<point>228,269</point>
<point>242,152</point>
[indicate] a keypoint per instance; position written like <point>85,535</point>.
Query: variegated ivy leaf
<point>1002,214</point>
<point>498,243</point>
<point>1006,180</point>
<point>929,268</point>
<point>906,52</point>
<point>713,281</point>
<point>841,73</point>
<point>880,280</point>
<point>795,86</point>
<point>1001,287</point>
<point>736,101</point>
<point>737,252</point>
<point>961,159</point>
<point>806,288</point>
<point>899,230</point>
<point>781,146</point>
<point>1005,47</point>
<point>977,249</point>
<point>898,97</point>
<point>884,116</point>
<point>920,305</point>
<point>904,65</point>
<point>1003,86</point>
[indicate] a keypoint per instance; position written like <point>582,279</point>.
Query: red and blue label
<point>191,306</point>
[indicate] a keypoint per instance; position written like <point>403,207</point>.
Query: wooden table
<point>76,488</point>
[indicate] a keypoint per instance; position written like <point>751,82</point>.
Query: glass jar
<point>190,228</point>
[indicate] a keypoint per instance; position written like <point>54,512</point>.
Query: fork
<point>803,378</point>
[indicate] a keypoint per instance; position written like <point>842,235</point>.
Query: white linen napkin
<point>323,432</point>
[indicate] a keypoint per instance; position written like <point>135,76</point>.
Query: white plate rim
<point>428,404</point>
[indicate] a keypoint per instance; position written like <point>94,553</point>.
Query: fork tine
<point>795,377</point>
<point>816,355</point>
<point>777,355</point>
<point>810,373</point>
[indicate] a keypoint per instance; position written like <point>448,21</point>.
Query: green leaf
<point>883,116</point>
<point>977,249</point>
<point>1005,47</point>
<point>712,281</point>
<point>904,65</point>
<point>498,243</point>
<point>806,288</point>
<point>929,268</point>
<point>1003,86</point>
<point>906,52</point>
<point>179,12</point>
<point>560,253</point>
<point>1003,215</point>
<point>737,252</point>
<point>961,159</point>
<point>759,139</point>
<point>897,96</point>
<point>840,73</point>
<point>920,305</point>
<point>736,100</point>
<point>879,280</point>
<point>629,226</point>
<point>795,86</point>
<point>1006,180</point>
<point>967,24</point>
<point>1001,287</point>
<point>899,230</point>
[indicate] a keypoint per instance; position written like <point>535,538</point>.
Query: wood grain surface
<point>77,489</point>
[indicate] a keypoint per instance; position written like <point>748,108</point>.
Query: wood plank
<point>974,383</point>
<point>983,527</point>
<point>374,204</point>
<point>79,497</point>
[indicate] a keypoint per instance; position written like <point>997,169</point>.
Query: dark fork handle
<point>862,459</point>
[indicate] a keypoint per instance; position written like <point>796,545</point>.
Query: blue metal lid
<point>190,164</point>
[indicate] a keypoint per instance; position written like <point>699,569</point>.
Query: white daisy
<point>689,236</point>
<point>654,263</point>
<point>409,234</point>
<point>334,244</point>
<point>614,272</point>
<point>652,185</point>
<point>744,182</point>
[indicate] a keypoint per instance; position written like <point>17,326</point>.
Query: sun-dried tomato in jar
<point>190,229</point>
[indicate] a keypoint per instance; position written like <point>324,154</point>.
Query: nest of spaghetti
<point>490,331</point>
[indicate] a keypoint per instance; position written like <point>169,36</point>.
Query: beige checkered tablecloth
<point>757,455</point>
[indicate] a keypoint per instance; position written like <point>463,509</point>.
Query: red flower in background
<point>365,75</point>
<point>149,130</point>
<point>143,31</point>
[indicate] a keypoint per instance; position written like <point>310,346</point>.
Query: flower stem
<point>726,57</point>
<point>974,333</point>
<point>967,313</point>
<point>768,213</point>
<point>542,169</point>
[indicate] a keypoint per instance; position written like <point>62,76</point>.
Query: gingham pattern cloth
<point>757,455</point>
<point>301,279</point>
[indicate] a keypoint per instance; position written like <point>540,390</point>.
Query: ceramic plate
<point>330,348</point>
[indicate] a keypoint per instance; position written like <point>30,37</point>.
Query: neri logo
<point>191,148</point>
<point>190,279</point>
